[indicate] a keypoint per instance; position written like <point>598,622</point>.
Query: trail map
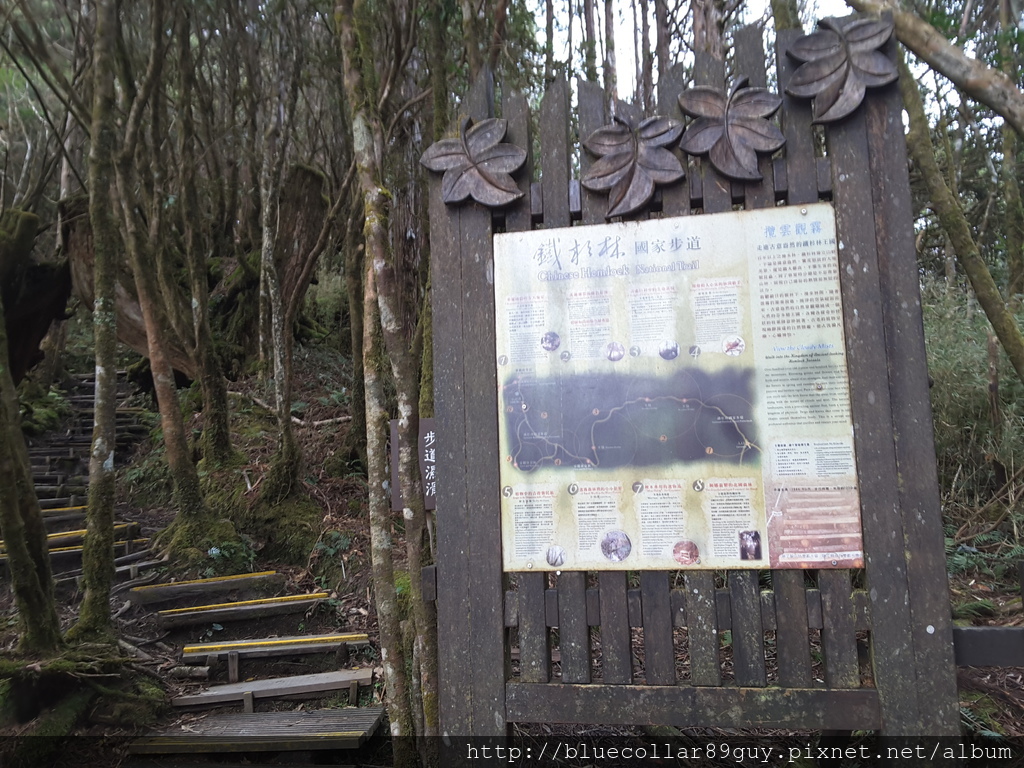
<point>674,394</point>
<point>612,422</point>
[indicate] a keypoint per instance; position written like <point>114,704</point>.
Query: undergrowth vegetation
<point>978,410</point>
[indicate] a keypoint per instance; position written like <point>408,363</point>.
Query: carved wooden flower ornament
<point>841,61</point>
<point>478,164</point>
<point>632,159</point>
<point>731,129</point>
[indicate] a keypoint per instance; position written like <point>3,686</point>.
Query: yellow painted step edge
<point>72,549</point>
<point>203,581</point>
<point>268,643</point>
<point>264,601</point>
<point>68,534</point>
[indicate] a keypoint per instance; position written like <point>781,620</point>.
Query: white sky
<point>625,62</point>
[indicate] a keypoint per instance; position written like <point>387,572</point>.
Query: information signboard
<point>674,394</point>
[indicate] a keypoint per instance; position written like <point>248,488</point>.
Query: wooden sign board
<point>674,394</point>
<point>427,451</point>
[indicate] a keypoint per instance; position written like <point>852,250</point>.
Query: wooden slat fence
<point>815,650</point>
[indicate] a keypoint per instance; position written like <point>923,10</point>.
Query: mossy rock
<point>195,545</point>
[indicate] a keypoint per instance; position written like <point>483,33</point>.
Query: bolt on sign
<point>427,450</point>
<point>674,393</point>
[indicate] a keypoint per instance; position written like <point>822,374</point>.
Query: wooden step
<point>63,539</point>
<point>345,728</point>
<point>120,549</point>
<point>61,503</point>
<point>274,646</point>
<point>126,565</point>
<point>156,593</point>
<point>271,606</point>
<point>280,687</point>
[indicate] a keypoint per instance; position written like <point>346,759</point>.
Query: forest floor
<point>992,699</point>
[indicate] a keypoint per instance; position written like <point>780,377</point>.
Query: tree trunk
<point>953,221</point>
<point>1014,217</point>
<point>786,15</point>
<point>979,81</point>
<point>21,523</point>
<point>98,549</point>
<point>589,41</point>
<point>216,438</point>
<point>610,84</point>
<point>284,472</point>
<point>367,140</point>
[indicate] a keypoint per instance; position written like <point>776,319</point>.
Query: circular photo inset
<point>686,553</point>
<point>550,341</point>
<point>669,350</point>
<point>733,346</point>
<point>616,546</point>
<point>614,351</point>
<point>556,556</point>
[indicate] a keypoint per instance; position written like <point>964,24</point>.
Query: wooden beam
<point>273,606</point>
<point>275,646</point>
<point>989,646</point>
<point>683,707</point>
<point>277,687</point>
<point>155,593</point>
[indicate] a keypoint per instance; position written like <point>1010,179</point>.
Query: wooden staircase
<point>59,462</point>
<point>251,731</point>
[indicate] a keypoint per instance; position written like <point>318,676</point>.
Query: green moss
<point>191,542</point>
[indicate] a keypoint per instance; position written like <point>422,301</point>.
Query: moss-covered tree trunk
<point>98,550</point>
<point>953,221</point>
<point>216,439</point>
<point>141,245</point>
<point>284,471</point>
<point>1014,216</point>
<point>367,144</point>
<point>21,523</point>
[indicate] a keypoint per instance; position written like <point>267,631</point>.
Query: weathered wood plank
<point>274,606</point>
<point>286,731</point>
<point>797,708</point>
<point>989,646</point>
<point>455,702</point>
<point>534,638</point>
<point>277,687</point>
<point>156,593</point>
<point>616,655</point>
<point>591,117</point>
<point>659,656</point>
<point>275,646</point>
<point>573,630</point>
<point>801,174</point>
<point>792,646</point>
<point>838,635</point>
<point>747,630</point>
<point>912,419</point>
<point>873,426</point>
<point>675,198</point>
<point>702,628</point>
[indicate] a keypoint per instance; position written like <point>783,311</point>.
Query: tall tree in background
<point>98,548</point>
